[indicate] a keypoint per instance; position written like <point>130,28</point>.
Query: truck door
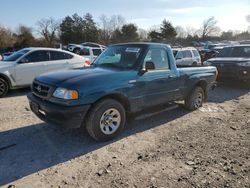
<point>161,83</point>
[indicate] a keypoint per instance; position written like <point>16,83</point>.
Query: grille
<point>40,89</point>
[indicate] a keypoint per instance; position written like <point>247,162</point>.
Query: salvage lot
<point>173,148</point>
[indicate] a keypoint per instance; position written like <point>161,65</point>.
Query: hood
<point>6,64</point>
<point>228,60</point>
<point>86,76</point>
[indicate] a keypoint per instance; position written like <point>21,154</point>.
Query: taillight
<point>87,62</point>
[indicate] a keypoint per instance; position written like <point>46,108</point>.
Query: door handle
<point>171,76</point>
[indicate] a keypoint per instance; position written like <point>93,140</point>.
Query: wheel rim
<point>198,100</point>
<point>2,88</point>
<point>110,121</point>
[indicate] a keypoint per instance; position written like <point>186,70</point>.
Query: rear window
<point>85,51</point>
<point>97,52</point>
<point>54,55</point>
<point>187,53</point>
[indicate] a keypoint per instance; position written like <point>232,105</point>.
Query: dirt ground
<point>209,147</point>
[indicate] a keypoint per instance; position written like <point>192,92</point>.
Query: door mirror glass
<point>24,60</point>
<point>149,65</point>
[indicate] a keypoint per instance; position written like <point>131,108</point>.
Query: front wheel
<point>106,120</point>
<point>4,87</point>
<point>195,99</point>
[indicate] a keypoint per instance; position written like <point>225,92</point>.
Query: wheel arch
<point>7,79</point>
<point>118,97</point>
<point>203,85</point>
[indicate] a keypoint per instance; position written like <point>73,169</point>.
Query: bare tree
<point>109,25</point>
<point>209,27</point>
<point>7,38</point>
<point>48,29</point>
<point>143,35</point>
<point>248,20</point>
<point>181,32</point>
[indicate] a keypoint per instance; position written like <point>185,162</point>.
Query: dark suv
<point>233,63</point>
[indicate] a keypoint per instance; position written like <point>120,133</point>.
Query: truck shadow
<point>18,92</point>
<point>27,150</point>
<point>226,92</point>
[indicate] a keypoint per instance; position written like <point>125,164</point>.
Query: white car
<point>91,53</point>
<point>76,48</point>
<point>19,69</point>
<point>187,56</point>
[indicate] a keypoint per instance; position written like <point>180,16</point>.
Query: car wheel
<point>4,87</point>
<point>106,120</point>
<point>195,99</point>
<point>195,64</point>
<point>77,51</point>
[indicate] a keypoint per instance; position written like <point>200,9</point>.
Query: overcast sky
<point>231,14</point>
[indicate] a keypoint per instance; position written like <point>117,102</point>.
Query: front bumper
<point>65,116</point>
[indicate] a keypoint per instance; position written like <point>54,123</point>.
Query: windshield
<point>240,51</point>
<point>119,57</point>
<point>16,55</point>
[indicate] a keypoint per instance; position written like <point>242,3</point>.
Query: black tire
<point>194,64</point>
<point>4,87</point>
<point>195,99</point>
<point>97,123</point>
<point>77,51</point>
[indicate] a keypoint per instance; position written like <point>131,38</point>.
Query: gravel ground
<point>209,147</point>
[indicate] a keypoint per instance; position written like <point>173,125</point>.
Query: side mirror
<point>149,65</point>
<point>24,60</point>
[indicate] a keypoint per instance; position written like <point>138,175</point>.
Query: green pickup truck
<point>124,79</point>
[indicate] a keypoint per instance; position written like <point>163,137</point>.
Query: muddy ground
<point>209,147</point>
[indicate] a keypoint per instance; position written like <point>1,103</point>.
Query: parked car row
<point>70,91</point>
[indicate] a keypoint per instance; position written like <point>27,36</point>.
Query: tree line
<point>114,29</point>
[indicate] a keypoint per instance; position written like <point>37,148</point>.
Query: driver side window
<point>159,57</point>
<point>179,55</point>
<point>37,56</point>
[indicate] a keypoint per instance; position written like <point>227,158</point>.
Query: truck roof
<point>143,44</point>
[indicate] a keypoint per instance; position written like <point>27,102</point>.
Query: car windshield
<point>235,52</point>
<point>124,57</point>
<point>16,55</point>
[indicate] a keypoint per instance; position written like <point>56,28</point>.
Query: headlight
<point>207,63</point>
<point>245,64</point>
<point>65,94</point>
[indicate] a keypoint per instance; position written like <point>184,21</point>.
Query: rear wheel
<point>106,120</point>
<point>4,87</point>
<point>195,99</point>
<point>195,64</point>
